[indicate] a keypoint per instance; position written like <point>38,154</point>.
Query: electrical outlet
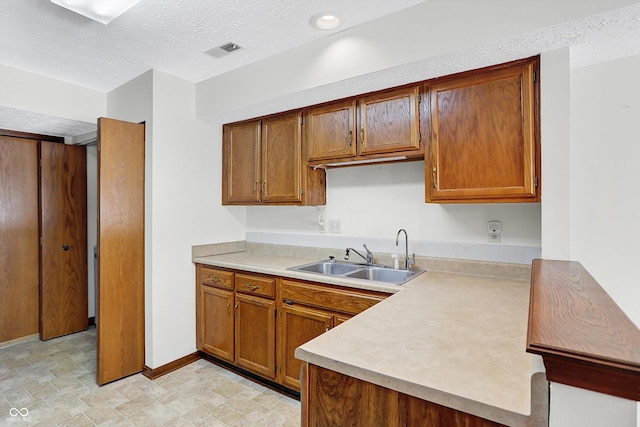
<point>334,226</point>
<point>495,230</point>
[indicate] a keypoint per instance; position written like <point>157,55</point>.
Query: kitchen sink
<point>387,275</point>
<point>372,273</point>
<point>328,267</point>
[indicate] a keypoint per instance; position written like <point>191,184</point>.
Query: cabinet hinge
<point>419,98</point>
<point>301,122</point>
<point>41,241</point>
<point>535,76</point>
<point>419,136</point>
<point>301,191</point>
<point>275,368</point>
<point>535,181</point>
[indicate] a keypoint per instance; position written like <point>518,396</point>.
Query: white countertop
<point>452,339</point>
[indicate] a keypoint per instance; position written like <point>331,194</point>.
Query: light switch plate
<point>334,226</point>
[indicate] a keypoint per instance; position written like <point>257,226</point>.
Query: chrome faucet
<point>368,258</point>
<point>408,262</point>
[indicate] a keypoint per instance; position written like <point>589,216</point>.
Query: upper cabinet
<point>373,126</point>
<point>389,122</point>
<point>330,131</point>
<point>262,164</point>
<point>484,144</point>
<point>478,133</point>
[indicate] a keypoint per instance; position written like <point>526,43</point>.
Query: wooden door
<point>483,143</point>
<point>19,248</point>
<point>329,131</point>
<point>389,122</point>
<point>215,332</point>
<point>298,325</point>
<point>120,293</point>
<point>281,159</point>
<point>241,173</point>
<point>255,332</point>
<point>63,257</point>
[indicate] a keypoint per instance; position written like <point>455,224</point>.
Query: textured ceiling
<point>169,35</point>
<point>173,36</point>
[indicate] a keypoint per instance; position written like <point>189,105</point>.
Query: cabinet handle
<point>215,279</point>
<point>362,136</point>
<point>327,328</point>
<point>228,307</point>
<point>235,308</point>
<point>264,188</point>
<point>255,187</point>
<point>433,177</point>
<point>253,287</point>
<point>350,138</point>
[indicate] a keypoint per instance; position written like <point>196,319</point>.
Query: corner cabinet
<point>262,164</point>
<point>484,143</point>
<point>255,322</point>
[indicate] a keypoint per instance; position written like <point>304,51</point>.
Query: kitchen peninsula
<point>445,338</point>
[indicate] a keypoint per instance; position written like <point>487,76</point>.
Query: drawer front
<point>345,301</point>
<point>256,285</point>
<point>214,277</point>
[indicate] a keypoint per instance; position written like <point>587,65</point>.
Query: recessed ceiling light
<point>99,10</point>
<point>325,21</point>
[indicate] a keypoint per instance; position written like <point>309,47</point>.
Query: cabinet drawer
<point>341,300</point>
<point>214,277</point>
<point>256,285</point>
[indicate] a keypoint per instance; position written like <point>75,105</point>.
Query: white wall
<point>605,177</point>
<point>186,211</point>
<point>590,156</point>
<point>372,202</point>
<point>32,92</point>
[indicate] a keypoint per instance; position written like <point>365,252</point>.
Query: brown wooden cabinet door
<point>483,138</point>
<point>19,247</point>
<point>282,159</point>
<point>215,332</point>
<point>297,326</point>
<point>329,131</point>
<point>121,254</point>
<point>255,333</point>
<point>241,163</point>
<point>389,122</point>
<point>63,222</point>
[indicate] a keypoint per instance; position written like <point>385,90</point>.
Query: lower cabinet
<point>297,326</point>
<point>255,334</point>
<point>256,322</point>
<point>215,321</point>
<point>333,399</point>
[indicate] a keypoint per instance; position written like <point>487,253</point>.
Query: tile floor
<point>55,382</point>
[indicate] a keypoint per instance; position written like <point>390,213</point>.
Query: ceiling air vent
<point>223,50</point>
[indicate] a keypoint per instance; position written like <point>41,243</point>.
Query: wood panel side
<point>339,400</point>
<point>584,338</point>
<point>19,246</point>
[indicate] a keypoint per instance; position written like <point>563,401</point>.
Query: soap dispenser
<point>396,263</point>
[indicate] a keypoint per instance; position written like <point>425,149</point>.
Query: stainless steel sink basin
<point>385,275</point>
<point>327,267</point>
